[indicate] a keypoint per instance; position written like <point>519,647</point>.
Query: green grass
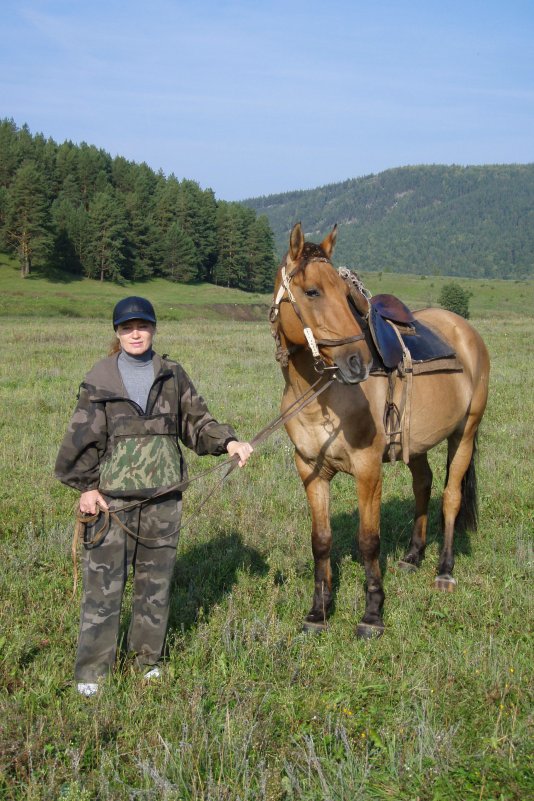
<point>439,709</point>
<point>495,296</point>
<point>60,295</point>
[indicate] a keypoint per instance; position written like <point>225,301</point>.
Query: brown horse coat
<point>343,430</point>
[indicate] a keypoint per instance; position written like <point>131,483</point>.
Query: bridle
<point>285,293</point>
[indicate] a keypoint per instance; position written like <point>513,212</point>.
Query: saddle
<point>402,347</point>
<point>394,330</point>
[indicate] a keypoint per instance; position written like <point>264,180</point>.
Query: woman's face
<point>136,336</point>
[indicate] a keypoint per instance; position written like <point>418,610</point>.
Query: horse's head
<point>317,313</point>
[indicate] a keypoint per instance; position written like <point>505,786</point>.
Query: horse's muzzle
<point>352,370</point>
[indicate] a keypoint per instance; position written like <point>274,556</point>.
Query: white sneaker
<point>153,673</point>
<point>87,688</point>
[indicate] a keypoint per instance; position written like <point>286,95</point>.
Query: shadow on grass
<point>54,276</point>
<point>395,534</point>
<point>206,573</point>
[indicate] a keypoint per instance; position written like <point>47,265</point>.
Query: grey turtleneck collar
<point>137,373</point>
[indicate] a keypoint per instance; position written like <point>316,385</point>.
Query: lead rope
<point>82,521</point>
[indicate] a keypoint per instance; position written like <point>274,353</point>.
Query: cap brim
<point>134,316</point>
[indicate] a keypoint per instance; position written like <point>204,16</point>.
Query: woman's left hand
<point>241,449</point>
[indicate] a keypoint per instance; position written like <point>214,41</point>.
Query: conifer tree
<point>72,235</point>
<point>108,245</point>
<point>142,234</point>
<point>93,168</point>
<point>179,255</point>
<point>9,156</point>
<point>261,264</point>
<point>206,235</point>
<point>27,217</point>
<point>230,269</point>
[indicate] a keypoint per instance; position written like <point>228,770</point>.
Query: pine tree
<point>261,266</point>
<point>80,235</point>
<point>27,217</point>
<point>230,269</point>
<point>72,235</point>
<point>93,168</point>
<point>206,235</point>
<point>108,244</point>
<point>179,255</point>
<point>142,232</point>
<point>9,156</point>
<point>163,216</point>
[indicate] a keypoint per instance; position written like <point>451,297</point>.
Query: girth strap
<point>397,420</point>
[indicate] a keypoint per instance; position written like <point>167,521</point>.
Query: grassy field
<point>87,298</point>
<point>74,297</point>
<point>439,709</point>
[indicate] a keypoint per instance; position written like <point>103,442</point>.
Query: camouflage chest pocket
<point>145,455</point>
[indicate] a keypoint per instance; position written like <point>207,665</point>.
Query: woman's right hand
<point>90,501</point>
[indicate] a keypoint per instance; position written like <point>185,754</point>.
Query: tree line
<point>75,209</point>
<point>473,221</point>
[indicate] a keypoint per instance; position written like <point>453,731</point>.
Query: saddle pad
<point>384,338</point>
<point>425,344</point>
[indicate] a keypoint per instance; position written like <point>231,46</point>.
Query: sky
<point>253,98</point>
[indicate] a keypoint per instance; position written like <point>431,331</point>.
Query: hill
<point>430,220</point>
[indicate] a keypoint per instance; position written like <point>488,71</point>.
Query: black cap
<point>133,308</point>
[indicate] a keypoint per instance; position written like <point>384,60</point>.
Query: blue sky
<point>253,98</point>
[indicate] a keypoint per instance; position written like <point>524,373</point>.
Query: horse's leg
<point>318,492</point>
<point>369,499</point>
<point>460,454</point>
<point>422,486</point>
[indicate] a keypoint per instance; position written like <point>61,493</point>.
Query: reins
<point>82,520</point>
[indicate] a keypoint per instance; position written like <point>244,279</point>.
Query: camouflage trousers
<point>105,569</point>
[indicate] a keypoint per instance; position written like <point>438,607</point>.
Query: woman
<point>121,448</point>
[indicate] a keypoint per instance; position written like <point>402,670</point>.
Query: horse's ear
<point>329,242</point>
<point>296,242</point>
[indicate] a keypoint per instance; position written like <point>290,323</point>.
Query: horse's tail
<point>467,518</point>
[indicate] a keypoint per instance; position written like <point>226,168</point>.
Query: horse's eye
<point>312,293</point>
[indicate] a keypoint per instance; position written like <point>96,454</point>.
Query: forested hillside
<point>471,221</point>
<point>75,209</point>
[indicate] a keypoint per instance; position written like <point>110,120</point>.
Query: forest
<point>428,220</point>
<point>72,210</point>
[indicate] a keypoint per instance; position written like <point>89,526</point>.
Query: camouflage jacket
<point>174,409</point>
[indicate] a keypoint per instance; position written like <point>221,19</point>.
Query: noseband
<point>285,294</point>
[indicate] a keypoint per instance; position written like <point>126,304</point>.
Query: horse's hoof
<point>445,583</point>
<point>409,567</point>
<point>368,631</point>
<point>312,627</point>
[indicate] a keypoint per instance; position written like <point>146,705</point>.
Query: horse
<point>343,429</point>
